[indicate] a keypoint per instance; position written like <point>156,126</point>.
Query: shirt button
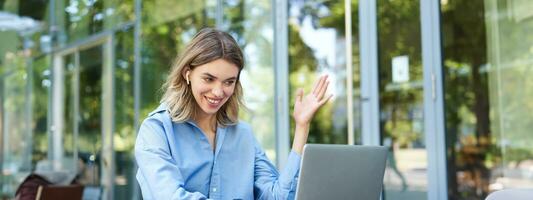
<point>214,189</point>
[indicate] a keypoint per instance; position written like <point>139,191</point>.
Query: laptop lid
<point>341,172</point>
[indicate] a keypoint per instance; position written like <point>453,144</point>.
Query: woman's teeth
<point>213,101</point>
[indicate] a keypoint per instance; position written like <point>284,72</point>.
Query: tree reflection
<point>474,138</point>
<point>308,20</point>
<point>464,47</point>
<point>167,26</point>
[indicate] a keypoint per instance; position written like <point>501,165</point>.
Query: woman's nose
<point>217,91</point>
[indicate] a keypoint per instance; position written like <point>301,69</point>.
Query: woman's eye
<point>230,82</point>
<point>208,79</point>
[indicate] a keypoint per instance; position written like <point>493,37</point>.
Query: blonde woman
<point>194,147</point>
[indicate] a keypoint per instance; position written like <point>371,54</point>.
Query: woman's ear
<point>185,74</point>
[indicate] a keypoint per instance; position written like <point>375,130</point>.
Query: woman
<point>193,146</point>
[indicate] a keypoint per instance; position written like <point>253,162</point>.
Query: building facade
<point>444,84</point>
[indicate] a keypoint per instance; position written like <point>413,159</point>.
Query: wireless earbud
<point>187,78</point>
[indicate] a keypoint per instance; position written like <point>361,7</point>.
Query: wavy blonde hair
<point>206,46</point>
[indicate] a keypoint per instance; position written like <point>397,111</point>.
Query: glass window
<point>69,124</point>
<point>401,99</point>
<point>487,48</point>
<point>16,163</point>
<point>356,73</point>
<point>89,116</point>
<point>84,125</point>
<point>166,27</point>
<point>78,19</point>
<point>22,115</point>
<point>40,112</point>
<point>82,118</point>
<point>317,46</point>
<point>124,133</point>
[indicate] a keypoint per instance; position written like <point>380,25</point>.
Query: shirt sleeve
<point>159,176</point>
<point>269,184</point>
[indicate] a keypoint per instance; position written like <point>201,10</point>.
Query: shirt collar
<point>161,107</point>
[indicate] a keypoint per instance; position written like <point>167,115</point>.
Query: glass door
<point>88,115</point>
<point>401,99</point>
<point>83,94</point>
<point>488,48</point>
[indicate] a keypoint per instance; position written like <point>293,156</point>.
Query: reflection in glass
<point>82,18</point>
<point>69,123</point>
<point>401,99</point>
<point>487,62</point>
<point>510,53</point>
<point>356,73</point>
<point>21,117</point>
<point>317,46</point>
<point>167,27</point>
<point>16,163</point>
<point>40,96</point>
<point>89,141</point>
<point>124,133</point>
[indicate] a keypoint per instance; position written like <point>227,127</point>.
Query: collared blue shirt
<point>176,161</point>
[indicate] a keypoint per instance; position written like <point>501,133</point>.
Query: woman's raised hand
<point>306,106</point>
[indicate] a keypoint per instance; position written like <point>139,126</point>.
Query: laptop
<point>341,172</point>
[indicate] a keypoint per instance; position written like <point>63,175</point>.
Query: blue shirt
<point>176,161</point>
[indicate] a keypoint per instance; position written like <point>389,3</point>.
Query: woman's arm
<point>271,185</point>
<point>268,183</point>
<point>305,108</point>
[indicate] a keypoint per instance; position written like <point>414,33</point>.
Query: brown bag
<point>54,192</point>
<point>28,188</point>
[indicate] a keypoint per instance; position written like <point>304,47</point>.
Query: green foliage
<point>399,34</point>
<point>329,124</point>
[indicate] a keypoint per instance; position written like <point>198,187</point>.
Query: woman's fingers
<point>324,100</point>
<point>299,94</point>
<point>322,90</point>
<point>318,84</point>
<point>315,85</point>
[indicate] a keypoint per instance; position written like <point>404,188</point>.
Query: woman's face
<point>213,84</point>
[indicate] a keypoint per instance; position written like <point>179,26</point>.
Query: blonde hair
<point>206,46</point>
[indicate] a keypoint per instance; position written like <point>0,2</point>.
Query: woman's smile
<point>214,102</point>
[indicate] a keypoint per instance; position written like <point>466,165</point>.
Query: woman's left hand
<point>306,106</point>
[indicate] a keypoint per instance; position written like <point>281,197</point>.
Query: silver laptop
<point>341,172</point>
